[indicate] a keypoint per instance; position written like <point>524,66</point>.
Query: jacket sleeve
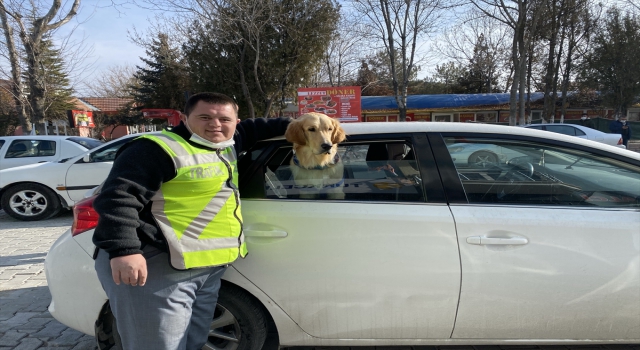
<point>250,131</point>
<point>137,174</point>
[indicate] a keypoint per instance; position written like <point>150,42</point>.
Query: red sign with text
<point>81,119</point>
<point>342,103</point>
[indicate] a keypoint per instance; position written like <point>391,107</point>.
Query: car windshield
<point>86,142</point>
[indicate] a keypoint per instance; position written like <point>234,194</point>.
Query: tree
<point>58,92</point>
<point>264,49</point>
<point>162,81</point>
<point>370,84</point>
<point>523,17</point>
<point>340,61</point>
<point>31,33</point>
<point>116,81</point>
<point>613,65</point>
<point>398,26</point>
<point>480,75</point>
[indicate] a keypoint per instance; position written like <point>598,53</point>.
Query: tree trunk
<point>243,83</point>
<point>17,86</point>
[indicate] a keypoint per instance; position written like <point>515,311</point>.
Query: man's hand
<point>130,269</point>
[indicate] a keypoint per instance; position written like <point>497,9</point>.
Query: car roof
<point>40,137</point>
<point>444,127</point>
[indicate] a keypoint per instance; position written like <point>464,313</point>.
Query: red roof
<point>107,104</point>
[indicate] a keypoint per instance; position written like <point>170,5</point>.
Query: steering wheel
<point>511,181</point>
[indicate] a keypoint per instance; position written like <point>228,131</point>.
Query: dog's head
<point>317,131</point>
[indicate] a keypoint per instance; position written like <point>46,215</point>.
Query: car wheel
<point>239,322</point>
<point>483,159</point>
<point>106,330</point>
<point>30,202</point>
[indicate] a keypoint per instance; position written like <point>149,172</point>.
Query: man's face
<point>213,122</point>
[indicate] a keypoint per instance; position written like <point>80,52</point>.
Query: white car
<point>582,132</point>
<point>30,149</point>
<point>543,248</point>
<point>40,191</point>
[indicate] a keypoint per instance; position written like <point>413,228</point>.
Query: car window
<point>579,132</point>
<point>532,173</point>
<point>562,129</point>
<point>86,142</point>
<point>107,153</point>
<point>373,171</point>
<point>31,148</point>
<point>1,143</point>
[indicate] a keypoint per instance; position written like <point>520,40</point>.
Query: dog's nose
<point>326,146</point>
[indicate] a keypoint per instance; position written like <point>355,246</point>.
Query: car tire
<point>30,202</point>
<point>483,159</point>
<point>239,322</point>
<point>106,330</point>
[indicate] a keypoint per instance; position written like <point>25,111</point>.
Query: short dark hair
<point>209,97</point>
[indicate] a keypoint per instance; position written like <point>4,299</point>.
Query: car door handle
<point>271,233</point>
<point>478,240</point>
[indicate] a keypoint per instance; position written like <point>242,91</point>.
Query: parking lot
<point>26,324</point>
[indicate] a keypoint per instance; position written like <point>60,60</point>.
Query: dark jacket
<point>587,122</point>
<point>616,128</point>
<point>141,166</point>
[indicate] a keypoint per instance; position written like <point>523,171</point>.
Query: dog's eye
<point>312,129</point>
<point>330,129</point>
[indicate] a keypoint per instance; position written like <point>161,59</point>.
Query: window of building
<point>528,173</point>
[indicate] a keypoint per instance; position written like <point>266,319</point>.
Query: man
<point>620,126</point>
<point>170,223</point>
<point>586,121</point>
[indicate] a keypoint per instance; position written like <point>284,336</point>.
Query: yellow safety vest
<point>198,211</point>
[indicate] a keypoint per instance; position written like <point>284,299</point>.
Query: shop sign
<point>81,119</point>
<point>342,103</point>
<point>376,118</point>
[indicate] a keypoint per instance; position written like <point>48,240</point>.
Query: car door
<point>549,242</point>
<point>84,175</point>
<point>29,151</point>
<point>380,263</point>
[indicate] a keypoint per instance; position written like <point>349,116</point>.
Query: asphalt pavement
<point>25,323</point>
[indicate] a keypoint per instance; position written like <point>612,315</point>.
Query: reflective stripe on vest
<point>198,211</point>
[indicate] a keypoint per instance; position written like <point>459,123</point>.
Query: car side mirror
<point>87,158</point>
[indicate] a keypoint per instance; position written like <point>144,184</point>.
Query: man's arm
<point>137,174</point>
<point>250,131</point>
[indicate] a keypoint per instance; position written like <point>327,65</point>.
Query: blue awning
<point>440,101</point>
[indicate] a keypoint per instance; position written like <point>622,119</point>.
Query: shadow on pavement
<point>65,218</point>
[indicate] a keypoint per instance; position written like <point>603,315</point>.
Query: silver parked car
<point>581,132</point>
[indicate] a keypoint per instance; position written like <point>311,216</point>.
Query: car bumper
<point>76,293</point>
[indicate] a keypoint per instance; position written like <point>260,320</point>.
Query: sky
<point>104,32</point>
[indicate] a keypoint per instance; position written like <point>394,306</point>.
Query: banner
<point>80,119</point>
<point>342,103</point>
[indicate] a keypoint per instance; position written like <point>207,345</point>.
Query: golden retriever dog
<point>315,165</point>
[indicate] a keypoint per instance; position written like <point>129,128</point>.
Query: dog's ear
<point>295,133</point>
<point>338,134</point>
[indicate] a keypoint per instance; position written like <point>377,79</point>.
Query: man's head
<point>623,119</point>
<point>211,115</point>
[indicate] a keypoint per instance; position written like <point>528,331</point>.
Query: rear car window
<point>31,148</point>
<point>530,173</point>
<point>86,142</point>
<point>373,171</point>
